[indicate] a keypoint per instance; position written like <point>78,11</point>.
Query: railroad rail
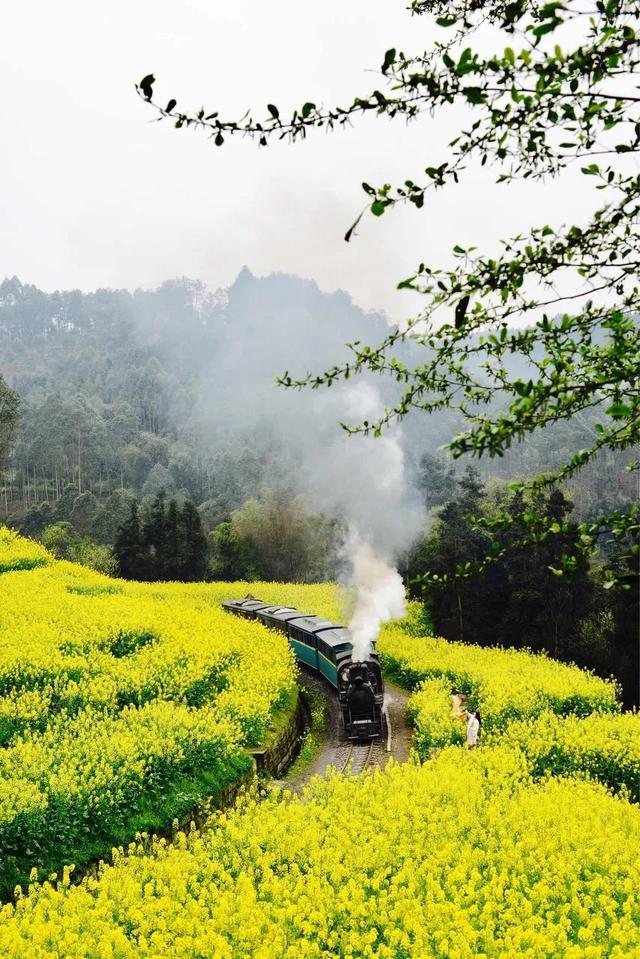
<point>354,758</point>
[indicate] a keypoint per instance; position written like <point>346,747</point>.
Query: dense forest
<point>519,600</point>
<point>133,391</point>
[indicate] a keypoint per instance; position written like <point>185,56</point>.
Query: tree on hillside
<point>193,546</point>
<point>83,512</point>
<point>9,406</point>
<point>436,481</point>
<point>274,538</point>
<point>623,653</point>
<point>169,543</point>
<point>232,557</point>
<point>541,609</point>
<point>37,519</point>
<point>154,539</point>
<point>463,608</point>
<point>171,560</point>
<point>518,601</point>
<point>128,547</point>
<point>559,94</point>
<point>62,540</point>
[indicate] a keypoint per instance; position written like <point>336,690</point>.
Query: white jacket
<point>473,728</point>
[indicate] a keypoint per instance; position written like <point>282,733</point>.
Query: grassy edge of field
<point>316,733</point>
<point>188,797</point>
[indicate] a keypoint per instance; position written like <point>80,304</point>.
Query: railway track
<point>349,759</point>
<point>354,758</point>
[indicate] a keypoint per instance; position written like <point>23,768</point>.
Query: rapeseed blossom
<point>506,684</point>
<point>605,746</point>
<point>464,856</point>
<point>16,552</point>
<point>113,692</point>
<point>118,696</point>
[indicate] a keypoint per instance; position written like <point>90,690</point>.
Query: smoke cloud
<point>367,485</point>
<point>379,595</point>
<point>281,323</point>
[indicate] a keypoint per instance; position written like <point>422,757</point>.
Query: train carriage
<point>248,607</point>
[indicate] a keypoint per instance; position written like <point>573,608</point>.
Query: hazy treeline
<point>144,391</point>
<point>133,390</point>
<point>148,422</point>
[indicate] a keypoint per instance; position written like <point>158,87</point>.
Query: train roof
<point>281,613</point>
<point>313,624</point>
<point>337,636</point>
<point>330,633</point>
<point>232,603</point>
<point>247,603</point>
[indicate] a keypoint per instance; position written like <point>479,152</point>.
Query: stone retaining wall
<point>277,758</point>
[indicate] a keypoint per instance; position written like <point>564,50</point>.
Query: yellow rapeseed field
<point>111,693</point>
<point>16,552</point>
<point>605,746</point>
<point>119,701</point>
<point>463,857</point>
<point>505,684</point>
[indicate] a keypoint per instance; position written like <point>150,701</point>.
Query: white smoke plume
<point>379,595</point>
<point>281,323</point>
<point>367,484</point>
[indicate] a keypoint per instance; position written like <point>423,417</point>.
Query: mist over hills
<point>116,384</point>
<point>175,388</point>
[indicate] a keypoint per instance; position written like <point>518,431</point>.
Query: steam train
<point>326,648</point>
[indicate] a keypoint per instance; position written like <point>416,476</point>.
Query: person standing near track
<point>474,721</point>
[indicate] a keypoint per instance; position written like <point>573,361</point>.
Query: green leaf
<point>275,113</point>
<point>389,57</point>
<point>619,411</point>
<point>377,208</point>
<point>474,95</point>
<point>546,28</point>
<point>146,85</point>
<point>170,105</point>
<point>307,108</point>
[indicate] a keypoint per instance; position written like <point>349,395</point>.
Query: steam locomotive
<point>326,648</point>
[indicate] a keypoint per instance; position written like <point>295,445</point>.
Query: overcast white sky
<point>93,194</point>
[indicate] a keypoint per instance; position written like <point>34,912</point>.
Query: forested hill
<point>117,388</point>
<point>173,389</point>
